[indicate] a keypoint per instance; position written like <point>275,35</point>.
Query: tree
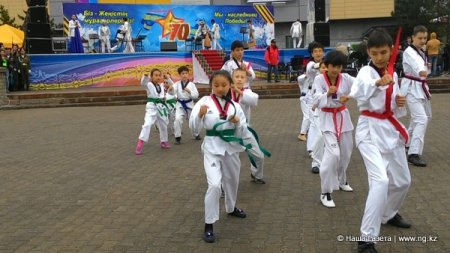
<point>5,18</point>
<point>410,13</point>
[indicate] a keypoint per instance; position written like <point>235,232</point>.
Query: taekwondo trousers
<point>305,106</point>
<point>420,110</point>
<point>335,160</point>
<point>256,153</point>
<point>221,171</point>
<point>294,42</point>
<point>389,181</point>
<point>152,116</point>
<point>317,143</point>
<point>180,115</point>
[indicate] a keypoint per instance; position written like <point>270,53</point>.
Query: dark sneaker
<point>277,81</point>
<point>209,237</point>
<point>198,137</point>
<point>257,180</point>
<point>238,213</point>
<point>177,140</point>
<point>315,170</point>
<point>416,161</point>
<point>398,221</point>
<point>366,247</point>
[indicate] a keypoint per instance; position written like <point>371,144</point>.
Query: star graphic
<point>167,21</point>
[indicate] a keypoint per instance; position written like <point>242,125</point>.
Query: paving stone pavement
<point>70,182</point>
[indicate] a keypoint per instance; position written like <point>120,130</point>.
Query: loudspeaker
<point>322,33</point>
<point>36,2</point>
<point>38,14</point>
<point>39,46</point>
<point>319,10</point>
<point>323,39</point>
<point>38,30</point>
<point>168,46</point>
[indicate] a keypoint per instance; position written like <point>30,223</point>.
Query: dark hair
<point>223,73</point>
<point>154,70</point>
<point>236,44</point>
<point>182,68</point>
<point>335,58</point>
<point>313,45</point>
<point>213,21</point>
<point>379,38</point>
<point>419,29</point>
<point>238,70</point>
<point>125,19</point>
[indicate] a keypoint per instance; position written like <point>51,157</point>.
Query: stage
<point>62,71</point>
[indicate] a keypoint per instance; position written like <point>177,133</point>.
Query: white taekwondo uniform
<point>246,101</point>
<point>221,158</point>
<point>233,64</point>
<point>382,147</point>
<point>185,103</point>
<point>155,112</point>
<point>419,104</point>
<point>306,101</point>
<point>336,127</point>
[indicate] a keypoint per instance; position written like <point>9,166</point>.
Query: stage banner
<point>153,24</point>
<point>62,71</point>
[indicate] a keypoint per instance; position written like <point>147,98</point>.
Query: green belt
<point>263,150</point>
<point>171,103</point>
<point>163,112</point>
<point>226,135</point>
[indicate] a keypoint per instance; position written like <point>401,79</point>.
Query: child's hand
<point>423,73</point>
<point>344,99</point>
<point>332,90</point>
<point>313,108</point>
<point>385,80</point>
<point>233,119</point>
<point>400,100</point>
<point>187,90</point>
<point>203,110</point>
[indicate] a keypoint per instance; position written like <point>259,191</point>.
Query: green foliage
<point>5,18</point>
<point>410,13</point>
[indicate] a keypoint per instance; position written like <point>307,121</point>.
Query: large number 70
<point>180,31</point>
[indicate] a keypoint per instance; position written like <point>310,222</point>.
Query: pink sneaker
<point>139,147</point>
<point>165,145</point>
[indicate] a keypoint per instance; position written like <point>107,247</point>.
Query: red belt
<point>389,116</point>
<point>425,88</point>
<point>335,111</point>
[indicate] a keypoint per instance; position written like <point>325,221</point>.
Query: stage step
<point>122,96</point>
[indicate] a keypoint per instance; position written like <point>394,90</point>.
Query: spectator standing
<point>24,69</point>
<point>433,46</point>
<point>272,57</point>
<point>4,63</point>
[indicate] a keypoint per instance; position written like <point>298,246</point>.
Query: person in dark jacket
<point>272,57</point>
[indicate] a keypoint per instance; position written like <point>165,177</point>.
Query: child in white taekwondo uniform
<point>155,110</point>
<point>246,99</point>
<point>335,124</point>
<point>306,100</point>
<point>225,123</point>
<point>185,92</point>
<point>237,61</point>
<point>170,102</point>
<point>381,138</point>
<point>314,128</point>
<point>415,87</point>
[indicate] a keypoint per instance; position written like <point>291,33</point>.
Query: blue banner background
<point>149,20</point>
